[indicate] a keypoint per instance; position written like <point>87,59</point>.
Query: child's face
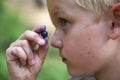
<point>80,40</point>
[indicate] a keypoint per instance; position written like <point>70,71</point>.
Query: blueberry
<point>44,34</point>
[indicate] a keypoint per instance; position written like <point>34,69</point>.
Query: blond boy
<point>87,35</point>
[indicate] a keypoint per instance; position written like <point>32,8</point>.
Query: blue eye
<point>64,22</point>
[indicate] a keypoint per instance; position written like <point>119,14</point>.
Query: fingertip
<point>40,28</point>
<point>46,39</point>
<point>32,62</point>
<point>41,42</point>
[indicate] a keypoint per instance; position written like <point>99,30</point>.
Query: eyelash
<point>64,22</point>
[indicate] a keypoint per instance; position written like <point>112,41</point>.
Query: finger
<point>26,47</point>
<point>46,39</point>
<point>15,53</point>
<point>21,54</point>
<point>42,52</point>
<point>39,29</point>
<point>32,36</point>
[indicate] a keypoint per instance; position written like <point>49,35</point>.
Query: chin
<point>74,73</point>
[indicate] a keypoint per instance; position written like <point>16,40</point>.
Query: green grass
<point>3,67</point>
<point>11,26</point>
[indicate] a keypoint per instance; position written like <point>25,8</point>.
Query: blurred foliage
<point>56,69</point>
<point>3,67</point>
<point>11,26</point>
<point>1,6</point>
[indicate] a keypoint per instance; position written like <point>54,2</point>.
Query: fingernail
<point>32,62</point>
<point>41,41</point>
<point>42,27</point>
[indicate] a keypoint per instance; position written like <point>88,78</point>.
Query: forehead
<point>60,1</point>
<point>63,4</point>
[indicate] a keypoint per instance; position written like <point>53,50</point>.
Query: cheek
<point>81,59</point>
<point>81,53</point>
<point>79,50</point>
<point>79,47</point>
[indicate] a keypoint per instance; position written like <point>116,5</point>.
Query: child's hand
<point>26,55</point>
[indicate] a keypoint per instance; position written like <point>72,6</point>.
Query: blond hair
<point>98,7</point>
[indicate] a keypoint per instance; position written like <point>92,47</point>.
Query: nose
<point>56,40</point>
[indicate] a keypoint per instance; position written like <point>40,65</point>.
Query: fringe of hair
<point>98,7</point>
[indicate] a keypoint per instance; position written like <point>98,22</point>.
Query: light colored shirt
<point>91,77</point>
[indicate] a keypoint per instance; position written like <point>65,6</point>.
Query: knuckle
<point>24,42</point>
<point>12,44</point>
<point>27,32</point>
<point>8,50</point>
<point>17,49</point>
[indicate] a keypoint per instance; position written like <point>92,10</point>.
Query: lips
<point>64,59</point>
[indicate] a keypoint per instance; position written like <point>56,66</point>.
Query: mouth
<point>64,59</point>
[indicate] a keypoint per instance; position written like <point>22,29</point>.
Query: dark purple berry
<point>44,34</point>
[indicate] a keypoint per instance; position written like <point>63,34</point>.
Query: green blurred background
<point>15,17</point>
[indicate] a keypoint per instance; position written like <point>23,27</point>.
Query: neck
<point>111,71</point>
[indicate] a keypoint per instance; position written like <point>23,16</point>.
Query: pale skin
<point>96,44</point>
<point>23,59</point>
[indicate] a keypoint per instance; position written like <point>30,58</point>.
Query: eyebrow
<point>58,12</point>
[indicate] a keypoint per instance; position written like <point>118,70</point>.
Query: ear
<point>115,15</point>
<point>115,32</point>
